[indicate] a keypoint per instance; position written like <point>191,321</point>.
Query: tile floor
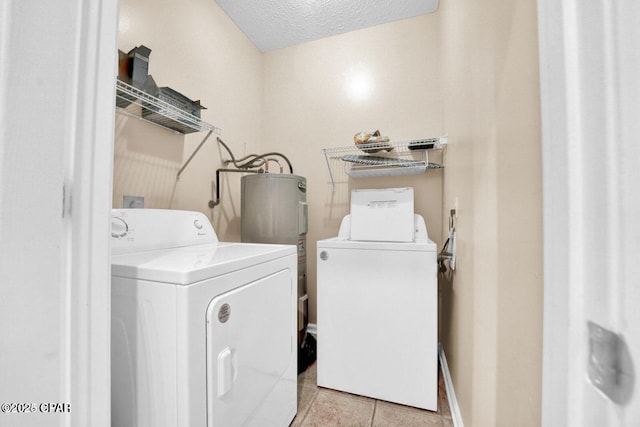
<point>322,407</point>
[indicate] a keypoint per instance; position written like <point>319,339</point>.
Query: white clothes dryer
<point>203,333</point>
<point>378,317</point>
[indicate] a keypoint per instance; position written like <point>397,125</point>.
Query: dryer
<point>377,306</point>
<point>204,333</point>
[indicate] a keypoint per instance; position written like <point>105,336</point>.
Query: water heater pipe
<point>251,163</point>
<point>216,202</point>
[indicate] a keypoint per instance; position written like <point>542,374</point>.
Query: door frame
<point>589,102</point>
<point>58,64</point>
<point>90,200</point>
<point>557,327</point>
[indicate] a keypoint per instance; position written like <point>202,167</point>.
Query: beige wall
<point>198,51</point>
<point>492,311</point>
<point>309,104</point>
<point>469,71</point>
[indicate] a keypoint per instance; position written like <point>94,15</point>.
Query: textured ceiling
<point>274,24</point>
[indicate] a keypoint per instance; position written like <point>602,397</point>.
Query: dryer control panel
<point>163,229</point>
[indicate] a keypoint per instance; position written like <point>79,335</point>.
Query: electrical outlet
<point>133,202</point>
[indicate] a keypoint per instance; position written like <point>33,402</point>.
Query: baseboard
<point>456,417</point>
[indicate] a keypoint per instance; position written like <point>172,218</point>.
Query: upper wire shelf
<point>384,159</point>
<point>134,102</point>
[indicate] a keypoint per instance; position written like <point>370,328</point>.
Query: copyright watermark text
<point>28,408</point>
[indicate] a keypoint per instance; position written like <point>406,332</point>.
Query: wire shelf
<point>384,159</point>
<point>134,102</point>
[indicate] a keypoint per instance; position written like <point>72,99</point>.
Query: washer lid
<point>190,264</point>
<point>424,245</point>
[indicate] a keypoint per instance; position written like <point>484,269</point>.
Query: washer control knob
<point>119,227</point>
<point>324,255</point>
<point>197,224</point>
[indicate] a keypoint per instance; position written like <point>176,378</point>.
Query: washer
<point>203,333</point>
<point>377,317</point>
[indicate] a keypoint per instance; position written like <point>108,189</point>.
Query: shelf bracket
<point>193,154</point>
<point>333,182</point>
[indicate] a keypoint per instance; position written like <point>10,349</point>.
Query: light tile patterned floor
<point>322,407</point>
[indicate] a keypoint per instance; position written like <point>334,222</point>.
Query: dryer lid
<point>191,264</point>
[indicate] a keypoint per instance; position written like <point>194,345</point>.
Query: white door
<point>590,87</point>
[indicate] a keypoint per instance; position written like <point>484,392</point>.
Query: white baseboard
<point>456,416</point>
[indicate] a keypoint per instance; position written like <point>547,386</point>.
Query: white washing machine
<point>377,317</point>
<point>203,333</point>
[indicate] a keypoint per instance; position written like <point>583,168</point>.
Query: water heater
<point>274,210</point>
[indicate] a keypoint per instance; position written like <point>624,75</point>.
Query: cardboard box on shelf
<point>133,69</point>
<point>179,101</point>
